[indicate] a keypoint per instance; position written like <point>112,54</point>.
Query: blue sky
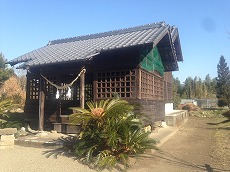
<point>203,25</point>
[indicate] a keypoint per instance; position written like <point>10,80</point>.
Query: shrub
<point>189,107</point>
<point>17,98</point>
<point>3,96</point>
<point>111,132</point>
<point>13,90</point>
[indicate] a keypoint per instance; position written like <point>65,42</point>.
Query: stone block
<point>8,131</point>
<point>73,129</point>
<point>7,141</point>
<point>57,127</point>
<point>176,118</point>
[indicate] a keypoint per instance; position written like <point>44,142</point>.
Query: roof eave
<point>176,40</point>
<point>87,58</point>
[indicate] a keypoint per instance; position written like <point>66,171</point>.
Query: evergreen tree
<point>223,83</point>
<point>207,86</point>
<point>208,81</point>
<point>5,73</point>
<point>200,92</point>
<point>204,90</point>
<point>197,88</point>
<point>213,88</point>
<point>176,92</point>
<point>189,88</point>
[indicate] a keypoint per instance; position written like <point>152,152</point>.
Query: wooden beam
<point>41,107</point>
<point>82,90</point>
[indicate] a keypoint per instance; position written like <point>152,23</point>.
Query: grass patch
<point>208,113</point>
<point>222,139</point>
<point>222,132</point>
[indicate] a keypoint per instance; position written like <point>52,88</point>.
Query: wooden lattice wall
<point>33,88</point>
<point>126,84</point>
<point>115,82</point>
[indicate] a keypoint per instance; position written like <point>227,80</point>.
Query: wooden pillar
<point>41,107</point>
<point>166,98</point>
<point>95,95</point>
<point>59,105</point>
<point>58,114</point>
<point>138,83</point>
<point>27,86</point>
<point>82,90</point>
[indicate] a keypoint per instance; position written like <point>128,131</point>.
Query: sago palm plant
<point>111,132</point>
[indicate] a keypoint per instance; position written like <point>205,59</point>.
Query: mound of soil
<point>189,107</point>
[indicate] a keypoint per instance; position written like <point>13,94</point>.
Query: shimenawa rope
<point>66,85</point>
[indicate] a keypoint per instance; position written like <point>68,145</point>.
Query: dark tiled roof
<point>83,47</point>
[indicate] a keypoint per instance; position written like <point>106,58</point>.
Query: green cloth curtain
<point>150,60</point>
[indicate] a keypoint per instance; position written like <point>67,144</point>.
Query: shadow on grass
<point>222,122</point>
<point>222,126</point>
<point>171,159</point>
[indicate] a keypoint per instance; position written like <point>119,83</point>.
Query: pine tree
<point>5,73</point>
<point>210,87</point>
<point>176,92</point>
<point>189,88</point>
<point>223,83</point>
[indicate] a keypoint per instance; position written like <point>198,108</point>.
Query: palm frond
<point>12,124</point>
<point>101,103</point>
<point>139,142</point>
<point>89,153</point>
<point>105,159</point>
<point>114,103</point>
<point>77,110</point>
<point>91,105</point>
<point>81,116</point>
<point>77,119</point>
<point>123,158</point>
<point>104,103</point>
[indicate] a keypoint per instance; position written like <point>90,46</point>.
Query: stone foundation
<point>66,128</point>
<point>176,118</point>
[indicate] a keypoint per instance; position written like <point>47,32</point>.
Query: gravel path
<point>190,149</point>
<point>28,159</point>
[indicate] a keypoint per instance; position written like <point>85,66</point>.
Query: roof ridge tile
<point>108,33</point>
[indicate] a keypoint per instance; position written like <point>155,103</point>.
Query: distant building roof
<point>83,47</point>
